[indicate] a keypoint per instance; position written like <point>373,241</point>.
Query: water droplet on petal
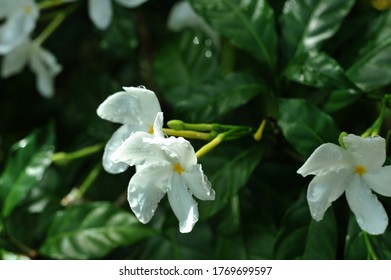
<point>142,87</point>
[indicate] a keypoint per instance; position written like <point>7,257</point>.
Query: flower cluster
<point>357,169</point>
<point>19,50</point>
<point>163,164</point>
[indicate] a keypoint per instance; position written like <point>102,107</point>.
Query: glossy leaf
<point>307,24</point>
<point>250,25</point>
<point>319,70</point>
<point>216,98</point>
<point>372,68</point>
<point>26,165</point>
<point>301,237</point>
<point>230,178</point>
<point>340,98</point>
<point>91,231</point>
<point>305,126</point>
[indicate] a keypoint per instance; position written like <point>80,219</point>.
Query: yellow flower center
<point>178,168</point>
<point>360,170</point>
<point>28,9</point>
<point>151,130</point>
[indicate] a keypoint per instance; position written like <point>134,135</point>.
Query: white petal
<point>370,151</point>
<point>158,125</point>
<point>146,189</point>
<point>198,183</point>
<point>18,25</point>
<point>112,145</point>
<point>131,3</point>
<point>326,158</point>
<point>380,181</point>
<point>178,150</point>
<point>100,12</point>
<point>184,206</point>
<point>45,66</point>
<point>127,107</point>
<point>183,16</point>
<point>137,151</point>
<point>368,211</point>
<point>324,189</point>
<point>16,60</point>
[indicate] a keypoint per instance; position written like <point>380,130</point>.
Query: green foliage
<point>309,68</point>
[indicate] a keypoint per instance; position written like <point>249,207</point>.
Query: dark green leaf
<point>301,237</point>
<point>230,178</point>
<point>27,163</point>
<point>339,99</point>
<point>319,70</point>
<point>218,97</point>
<point>91,231</point>
<point>305,126</point>
<point>372,68</point>
<point>250,25</point>
<point>306,24</point>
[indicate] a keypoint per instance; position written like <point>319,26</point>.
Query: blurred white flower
<point>101,11</point>
<point>136,109</point>
<point>357,171</point>
<point>20,18</point>
<point>164,165</point>
<point>40,60</point>
<point>183,16</point>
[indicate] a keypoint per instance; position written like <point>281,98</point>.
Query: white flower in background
<point>357,171</point>
<point>101,11</point>
<point>136,109</point>
<point>164,165</point>
<point>20,18</point>
<point>183,16</point>
<point>40,60</point>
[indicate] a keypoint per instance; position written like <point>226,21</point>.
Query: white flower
<point>40,60</point>
<point>20,19</point>
<point>182,16</point>
<point>357,171</point>
<point>136,109</point>
<point>164,165</point>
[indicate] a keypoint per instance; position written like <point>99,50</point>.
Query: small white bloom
<point>40,60</point>
<point>183,16</point>
<point>164,165</point>
<point>20,20</point>
<point>136,109</point>
<point>357,171</point>
<point>101,11</point>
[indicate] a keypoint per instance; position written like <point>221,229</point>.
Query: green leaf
<point>218,97</point>
<point>319,70</point>
<point>305,126</point>
<point>248,24</point>
<point>301,237</point>
<point>182,65</point>
<point>306,24</point>
<point>339,99</point>
<point>230,178</point>
<point>372,69</point>
<point>27,163</point>
<point>91,231</point>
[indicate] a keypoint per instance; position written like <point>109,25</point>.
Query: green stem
<point>189,134</point>
<point>374,129</point>
<point>89,180</point>
<point>64,158</point>
<point>180,125</point>
<point>54,24</point>
<point>259,133</point>
<point>50,4</point>
<point>371,252</point>
<point>22,247</point>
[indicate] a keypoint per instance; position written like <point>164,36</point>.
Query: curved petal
<point>158,125</point>
<point>100,12</point>
<point>179,150</point>
<point>131,3</point>
<point>324,189</point>
<point>135,150</point>
<point>198,183</point>
<point>368,211</point>
<point>326,158</point>
<point>369,151</point>
<point>112,145</point>
<point>16,60</point>
<point>184,206</point>
<point>380,181</point>
<point>45,67</point>
<point>146,188</point>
